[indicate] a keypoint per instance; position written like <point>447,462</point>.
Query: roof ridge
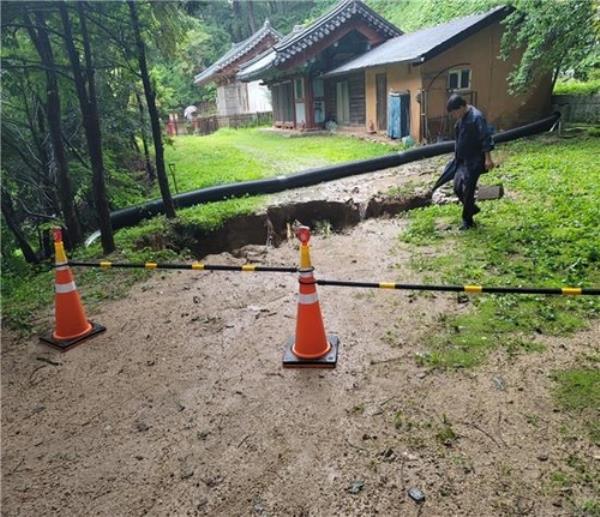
<point>423,44</point>
<point>238,50</point>
<point>459,18</point>
<point>327,23</point>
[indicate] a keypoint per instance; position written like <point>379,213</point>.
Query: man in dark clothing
<point>472,154</point>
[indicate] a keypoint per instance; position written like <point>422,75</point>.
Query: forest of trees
<point>86,87</point>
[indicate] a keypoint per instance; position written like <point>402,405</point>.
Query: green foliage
<point>555,35</point>
<point>544,233</point>
<point>125,188</point>
<point>411,15</point>
<point>214,27</point>
<point>578,388</point>
<point>445,433</point>
<point>590,508</point>
<point>574,87</point>
<point>211,216</point>
<point>28,298</point>
<point>173,77</point>
<point>578,471</point>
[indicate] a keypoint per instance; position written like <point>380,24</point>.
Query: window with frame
<point>299,88</point>
<point>459,79</point>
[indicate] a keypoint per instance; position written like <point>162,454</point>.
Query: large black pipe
<point>134,214</point>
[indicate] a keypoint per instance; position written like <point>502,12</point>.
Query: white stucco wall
<point>259,97</point>
<point>239,98</point>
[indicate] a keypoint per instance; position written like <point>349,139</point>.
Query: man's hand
<point>489,164</point>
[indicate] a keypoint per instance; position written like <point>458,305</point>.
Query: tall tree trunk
<point>39,36</point>
<point>96,157</point>
<point>251,18</point>
<point>555,73</point>
<point>36,115</point>
<point>237,21</point>
<point>11,221</point>
<point>149,168</point>
<point>153,112</point>
<point>91,122</point>
<point>49,199</point>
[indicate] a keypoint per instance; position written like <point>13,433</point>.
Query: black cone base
<point>66,344</point>
<point>329,360</point>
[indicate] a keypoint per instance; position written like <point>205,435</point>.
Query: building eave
<point>236,53</point>
<point>328,23</point>
<point>417,56</point>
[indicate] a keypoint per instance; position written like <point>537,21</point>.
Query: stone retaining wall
<point>578,108</point>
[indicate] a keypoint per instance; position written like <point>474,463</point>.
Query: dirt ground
<point>182,406</point>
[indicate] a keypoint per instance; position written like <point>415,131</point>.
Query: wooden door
<point>404,114</point>
<point>398,115</point>
<point>381,100</point>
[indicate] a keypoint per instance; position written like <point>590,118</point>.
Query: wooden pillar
<point>293,97</point>
<point>309,108</point>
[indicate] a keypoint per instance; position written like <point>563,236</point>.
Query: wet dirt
<point>333,206</point>
<point>182,406</point>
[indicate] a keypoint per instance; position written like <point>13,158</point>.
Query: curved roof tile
<point>237,51</point>
<point>299,40</point>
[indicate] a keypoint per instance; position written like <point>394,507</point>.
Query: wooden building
<point>233,96</point>
<point>293,69</point>
<point>352,67</point>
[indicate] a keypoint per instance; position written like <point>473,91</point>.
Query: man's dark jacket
<point>473,138</point>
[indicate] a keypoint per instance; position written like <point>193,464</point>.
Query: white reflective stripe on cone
<point>306,274</point>
<point>61,268</point>
<point>308,299</point>
<point>63,263</point>
<point>65,288</point>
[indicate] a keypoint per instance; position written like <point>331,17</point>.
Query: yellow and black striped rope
<point>471,289</point>
<point>196,266</point>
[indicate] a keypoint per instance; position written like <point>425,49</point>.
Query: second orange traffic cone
<point>311,347</point>
<point>72,326</point>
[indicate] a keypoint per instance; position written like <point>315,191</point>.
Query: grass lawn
<point>232,155</point>
<point>544,233</point>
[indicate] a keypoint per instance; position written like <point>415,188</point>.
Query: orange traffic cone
<point>72,326</point>
<point>311,348</point>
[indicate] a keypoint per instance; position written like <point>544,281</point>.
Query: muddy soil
<point>182,407</point>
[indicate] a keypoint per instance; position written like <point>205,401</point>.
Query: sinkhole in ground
<point>271,226</point>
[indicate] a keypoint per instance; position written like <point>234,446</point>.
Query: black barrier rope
<point>472,289</point>
<point>572,291</point>
<point>196,266</point>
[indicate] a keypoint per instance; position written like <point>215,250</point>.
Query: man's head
<point>456,106</point>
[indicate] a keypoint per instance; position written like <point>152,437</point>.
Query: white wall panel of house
<point>300,113</point>
<point>259,97</point>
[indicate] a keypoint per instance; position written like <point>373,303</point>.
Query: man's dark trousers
<point>465,183</point>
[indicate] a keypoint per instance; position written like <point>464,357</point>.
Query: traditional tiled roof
<point>257,65</point>
<point>417,47</point>
<point>237,51</point>
<point>301,38</point>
